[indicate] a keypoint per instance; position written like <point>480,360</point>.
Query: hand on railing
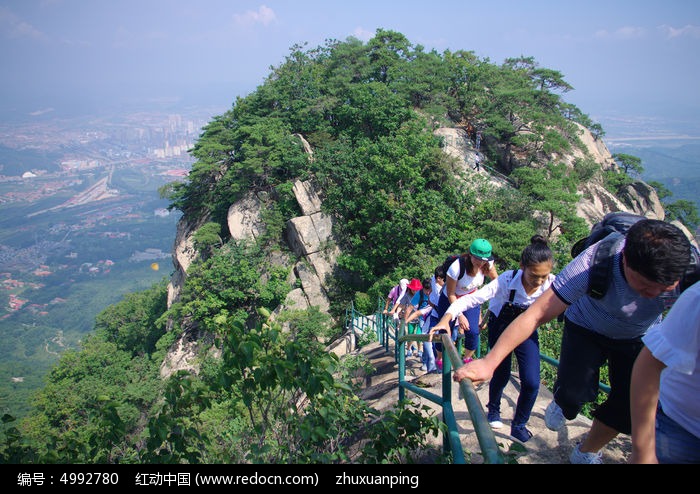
<point>477,370</point>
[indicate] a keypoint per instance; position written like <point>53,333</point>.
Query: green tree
<point>629,164</point>
<point>553,192</point>
<point>207,238</point>
<point>132,323</point>
<point>684,211</point>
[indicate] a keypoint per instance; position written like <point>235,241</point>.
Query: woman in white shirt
<point>509,295</point>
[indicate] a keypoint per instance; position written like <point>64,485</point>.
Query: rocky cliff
<point>310,236</point>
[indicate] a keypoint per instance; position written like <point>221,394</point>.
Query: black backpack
<point>610,230</point>
<point>462,264</point>
<point>617,222</point>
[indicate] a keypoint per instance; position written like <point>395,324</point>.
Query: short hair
<point>657,250</point>
<point>537,252</point>
<point>427,284</point>
<point>439,272</point>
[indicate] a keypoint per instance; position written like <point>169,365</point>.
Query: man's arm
<point>644,396</point>
<point>544,309</point>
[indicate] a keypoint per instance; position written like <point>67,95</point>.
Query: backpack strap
<point>462,267</point>
<point>512,291</point>
<point>600,272</point>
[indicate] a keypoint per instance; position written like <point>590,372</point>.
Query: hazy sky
<point>621,56</point>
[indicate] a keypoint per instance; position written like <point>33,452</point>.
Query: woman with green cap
<point>478,264</point>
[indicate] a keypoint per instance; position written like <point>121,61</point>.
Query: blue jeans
<point>428,358</point>
<point>471,338</point>
<point>528,356</point>
<point>674,444</point>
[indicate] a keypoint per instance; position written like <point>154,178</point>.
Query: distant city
<point>81,225</point>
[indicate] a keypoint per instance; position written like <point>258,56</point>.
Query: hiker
<point>475,266</point>
<point>392,299</point>
<point>418,310</point>
<point>405,307</point>
<point>665,406</point>
<point>510,295</point>
<point>647,262</point>
<point>437,282</point>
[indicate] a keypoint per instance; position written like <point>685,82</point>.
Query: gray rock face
<point>244,219</point>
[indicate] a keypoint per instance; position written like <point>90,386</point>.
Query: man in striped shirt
<point>649,261</point>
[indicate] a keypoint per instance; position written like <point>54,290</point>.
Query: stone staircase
<point>545,447</point>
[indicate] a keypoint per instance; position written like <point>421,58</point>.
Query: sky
<point>626,59</point>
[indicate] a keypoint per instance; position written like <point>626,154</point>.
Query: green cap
<point>481,248</point>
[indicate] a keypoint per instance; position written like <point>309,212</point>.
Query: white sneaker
<point>553,417</point>
<point>579,458</point>
<point>494,419</point>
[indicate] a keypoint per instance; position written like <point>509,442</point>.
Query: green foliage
<point>311,324</point>
<point>363,303</point>
<point>355,367</point>
<point>553,192</point>
<point>230,285</point>
<point>400,437</point>
<point>615,181</point>
<point>92,397</point>
<point>172,433</point>
<point>207,237</point>
<point>585,169</point>
<point>132,323</point>
<point>684,211</point>
<point>365,338</point>
<point>631,165</point>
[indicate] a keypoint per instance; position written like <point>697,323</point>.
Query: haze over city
<point>629,61</point>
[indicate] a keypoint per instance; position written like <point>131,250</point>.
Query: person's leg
<point>598,436</point>
<point>578,371</point>
<point>528,355</point>
<point>429,356</point>
<point>501,374</point>
<point>471,338</point>
<point>437,347</point>
<point>613,415</point>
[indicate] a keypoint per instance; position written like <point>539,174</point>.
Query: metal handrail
<point>487,440</point>
<point>387,331</point>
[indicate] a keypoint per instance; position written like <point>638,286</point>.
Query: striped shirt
<point>621,314</point>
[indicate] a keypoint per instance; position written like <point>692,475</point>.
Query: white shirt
<point>467,283</point>
<point>498,292</point>
<point>676,342</point>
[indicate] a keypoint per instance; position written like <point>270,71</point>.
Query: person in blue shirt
<point>420,308</point>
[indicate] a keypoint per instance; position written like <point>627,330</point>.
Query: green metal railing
<point>387,331</point>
